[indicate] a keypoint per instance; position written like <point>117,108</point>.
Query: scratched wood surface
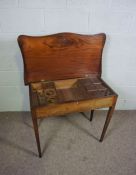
<point>48,93</point>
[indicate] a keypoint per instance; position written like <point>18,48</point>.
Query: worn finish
<point>63,72</point>
<point>52,93</point>
<point>66,108</point>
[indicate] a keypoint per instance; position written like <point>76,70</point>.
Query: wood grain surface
<point>61,56</point>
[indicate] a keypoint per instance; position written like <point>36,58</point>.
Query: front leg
<point>108,118</point>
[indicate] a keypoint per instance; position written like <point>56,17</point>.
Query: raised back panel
<point>61,56</point>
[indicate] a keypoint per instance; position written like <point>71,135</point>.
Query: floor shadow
<point>53,132</point>
<point>15,146</point>
<point>29,123</point>
<point>116,124</point>
<point>81,128</point>
<point>25,121</point>
<point>84,115</point>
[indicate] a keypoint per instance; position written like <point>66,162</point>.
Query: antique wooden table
<point>63,72</point>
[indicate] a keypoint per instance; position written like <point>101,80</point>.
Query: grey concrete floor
<point>70,145</point>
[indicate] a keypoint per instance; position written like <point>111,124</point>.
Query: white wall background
<point>117,18</point>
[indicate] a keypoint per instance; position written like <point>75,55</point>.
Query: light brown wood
<point>61,109</point>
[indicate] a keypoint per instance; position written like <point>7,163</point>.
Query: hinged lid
<point>61,56</point>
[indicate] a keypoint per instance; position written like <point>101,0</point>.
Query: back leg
<point>91,115</point>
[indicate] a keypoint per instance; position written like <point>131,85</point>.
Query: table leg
<point>35,125</point>
<point>108,118</point>
<point>91,115</point>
